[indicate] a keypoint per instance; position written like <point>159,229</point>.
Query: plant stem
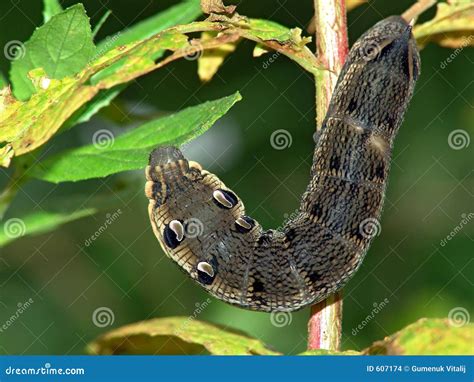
<point>325,323</point>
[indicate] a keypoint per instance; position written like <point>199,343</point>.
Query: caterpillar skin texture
<point>201,224</point>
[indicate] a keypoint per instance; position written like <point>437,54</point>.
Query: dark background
<point>431,186</point>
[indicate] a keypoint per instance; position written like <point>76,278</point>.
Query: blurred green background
<point>431,186</point>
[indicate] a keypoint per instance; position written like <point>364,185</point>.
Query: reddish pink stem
<point>325,323</point>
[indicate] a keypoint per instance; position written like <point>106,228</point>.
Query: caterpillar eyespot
<point>321,247</point>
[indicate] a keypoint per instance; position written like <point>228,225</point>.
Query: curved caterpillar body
<point>201,224</point>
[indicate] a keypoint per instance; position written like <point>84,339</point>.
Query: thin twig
<point>417,9</point>
<point>325,323</point>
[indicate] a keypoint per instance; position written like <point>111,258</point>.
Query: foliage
<point>185,335</point>
<point>61,82</point>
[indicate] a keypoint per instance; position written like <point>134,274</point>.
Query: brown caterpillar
<point>202,226</point>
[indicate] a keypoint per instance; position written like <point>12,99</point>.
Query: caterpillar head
<point>390,43</point>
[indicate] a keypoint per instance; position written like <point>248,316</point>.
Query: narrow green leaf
<point>177,335</point>
<point>130,151</point>
<point>87,111</point>
<point>50,8</point>
<point>63,210</point>
<point>179,14</point>
<point>101,22</point>
<point>62,47</point>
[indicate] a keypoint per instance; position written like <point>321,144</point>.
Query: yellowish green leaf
<point>210,60</point>
<point>452,26</point>
<point>177,335</point>
<point>428,337</point>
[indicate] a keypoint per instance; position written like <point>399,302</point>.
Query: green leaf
<point>177,335</point>
<point>179,14</point>
<point>452,26</point>
<point>130,151</point>
<point>62,210</point>
<point>61,47</point>
<point>428,337</point>
<point>50,8</point>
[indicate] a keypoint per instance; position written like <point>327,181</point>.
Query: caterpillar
<point>201,224</point>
